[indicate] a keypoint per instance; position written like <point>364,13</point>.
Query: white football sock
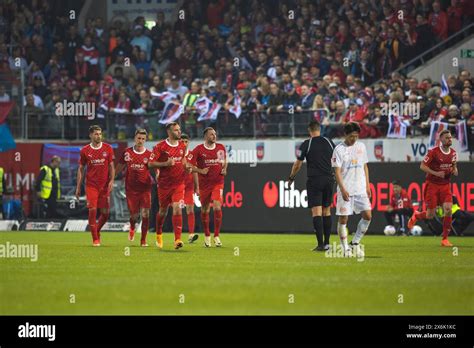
<point>362,227</point>
<point>342,232</point>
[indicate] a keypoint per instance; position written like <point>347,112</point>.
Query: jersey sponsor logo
<point>137,166</point>
<point>98,161</point>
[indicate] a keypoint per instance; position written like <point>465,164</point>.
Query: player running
<point>438,164</point>
<point>138,183</point>
<point>98,157</point>
<point>169,156</point>
<point>353,189</point>
<point>211,163</point>
<point>191,186</point>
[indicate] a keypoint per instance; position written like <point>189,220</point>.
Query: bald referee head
<point>317,151</point>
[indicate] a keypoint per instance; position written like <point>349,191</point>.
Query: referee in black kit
<point>318,152</point>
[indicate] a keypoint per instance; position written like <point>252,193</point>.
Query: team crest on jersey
<point>221,154</point>
<point>181,152</point>
<point>104,154</point>
<point>145,160</point>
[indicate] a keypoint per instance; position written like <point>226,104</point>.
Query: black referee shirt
<point>318,153</point>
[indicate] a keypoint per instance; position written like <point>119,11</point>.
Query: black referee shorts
<point>320,190</point>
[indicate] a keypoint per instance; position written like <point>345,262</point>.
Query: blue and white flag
<point>171,113</point>
<point>236,109</point>
<point>436,128</point>
<point>207,109</point>
<point>444,87</point>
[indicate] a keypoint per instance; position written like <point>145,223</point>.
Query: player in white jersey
<point>349,160</point>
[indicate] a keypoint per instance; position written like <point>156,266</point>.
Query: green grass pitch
<point>271,275</point>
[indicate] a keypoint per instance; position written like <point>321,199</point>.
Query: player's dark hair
<point>141,131</point>
<point>396,182</point>
<point>94,128</point>
<point>171,124</point>
<point>206,130</point>
<point>314,126</point>
<point>184,136</point>
<point>443,132</point>
<point>351,127</point>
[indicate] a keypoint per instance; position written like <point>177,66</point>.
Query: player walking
<point>191,186</point>
<point>211,163</point>
<point>317,151</point>
<point>98,157</point>
<point>353,192</point>
<point>138,183</point>
<point>169,157</point>
<point>439,164</point>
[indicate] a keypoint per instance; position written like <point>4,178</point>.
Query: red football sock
<point>145,224</point>
<point>217,222</point>
<point>93,223</point>
<point>447,221</point>
<point>205,223</point>
<point>132,223</point>
<point>177,226</point>
<point>420,215</point>
<point>191,222</point>
<point>102,220</point>
<point>160,220</point>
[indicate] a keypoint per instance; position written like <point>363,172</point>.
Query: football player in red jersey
<point>98,157</point>
<point>211,156</point>
<point>191,186</point>
<point>170,159</point>
<point>439,164</point>
<point>138,183</point>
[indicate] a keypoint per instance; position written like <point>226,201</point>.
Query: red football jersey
<point>400,202</point>
<point>189,180</point>
<point>170,176</point>
<point>438,161</point>
<point>212,158</point>
<point>97,161</point>
<point>137,176</point>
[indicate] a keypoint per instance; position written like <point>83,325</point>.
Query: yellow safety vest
<point>47,182</point>
<point>454,208</point>
<point>1,181</point>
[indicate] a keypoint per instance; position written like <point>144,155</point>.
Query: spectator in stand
<point>307,99</point>
<point>438,20</point>
<point>91,56</point>
<point>439,113</point>
<point>141,40</point>
<point>177,88</point>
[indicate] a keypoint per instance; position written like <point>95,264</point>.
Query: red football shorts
<point>436,194</point>
<point>214,193</point>
<point>172,195</point>
<point>188,195</point>
<point>97,198</point>
<point>137,200</point>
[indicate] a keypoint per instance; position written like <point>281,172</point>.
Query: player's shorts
<point>97,198</point>
<point>171,195</point>
<point>320,190</point>
<point>437,194</point>
<point>189,195</point>
<point>137,200</point>
<point>214,193</point>
<point>355,205</point>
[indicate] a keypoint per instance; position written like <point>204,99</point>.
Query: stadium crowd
<point>332,58</point>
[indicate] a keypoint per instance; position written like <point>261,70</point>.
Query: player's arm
<point>455,169</point>
<point>202,171</point>
<point>340,183</point>
<point>428,170</point>
<point>196,182</point>
<point>79,177</point>
<point>367,181</point>
<point>111,176</point>
<point>294,170</point>
<point>119,168</point>
<point>224,166</point>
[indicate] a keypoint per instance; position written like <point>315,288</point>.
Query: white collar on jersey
<point>170,143</point>
<point>138,153</point>
<point>96,148</point>
<point>446,153</point>
<point>210,148</point>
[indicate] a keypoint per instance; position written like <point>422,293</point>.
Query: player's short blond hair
<point>141,131</point>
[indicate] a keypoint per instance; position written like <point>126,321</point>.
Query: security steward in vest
<point>48,187</point>
<point>3,186</point>
<point>317,151</point>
